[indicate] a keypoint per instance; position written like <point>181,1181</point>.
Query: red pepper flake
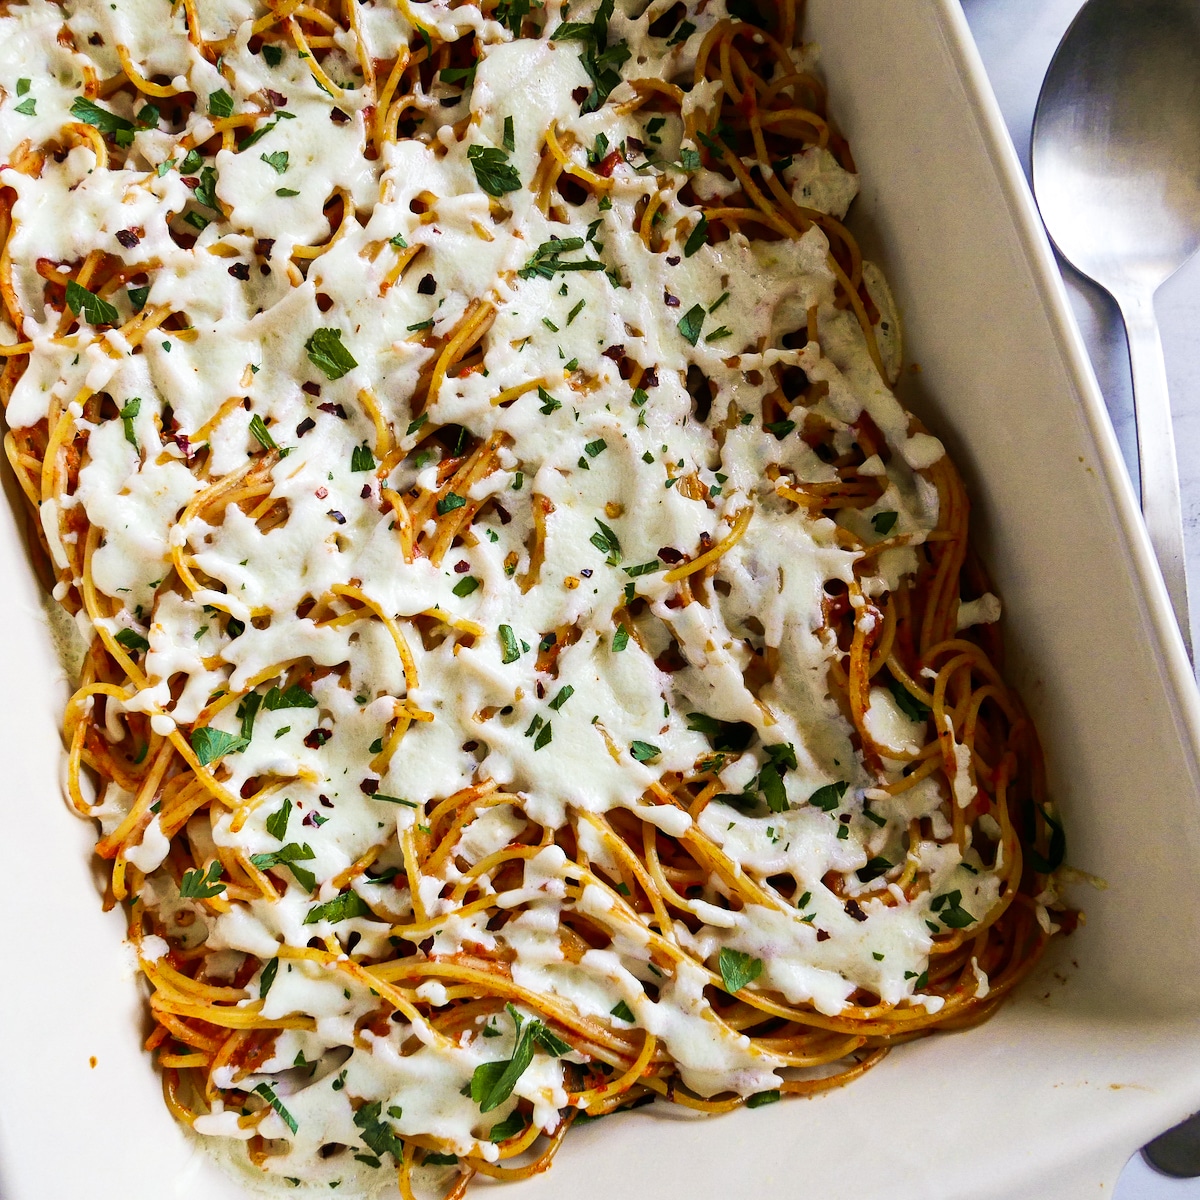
<point>673,260</point>
<point>669,554</point>
<point>127,238</point>
<point>316,738</point>
<point>306,426</point>
<point>321,492</point>
<point>616,353</point>
<point>461,567</point>
<point>470,747</point>
<point>854,909</point>
<point>427,286</point>
<point>335,410</point>
<point>240,271</point>
<point>670,301</point>
<point>369,785</point>
<point>365,494</point>
<point>650,379</point>
<point>580,94</point>
<point>822,936</point>
<point>276,98</point>
<point>606,166</point>
<point>325,800</point>
<point>337,516</point>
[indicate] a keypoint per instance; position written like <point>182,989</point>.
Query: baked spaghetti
<point>535,666</point>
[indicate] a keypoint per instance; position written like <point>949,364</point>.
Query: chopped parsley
<point>95,310</point>
<point>696,238</point>
<point>547,259</point>
<point>508,644</point>
<point>340,908</point>
<point>601,61</point>
<point>908,704</point>
<point>376,1133</point>
<point>690,324</point>
<point>277,822</point>
<point>607,543</point>
<point>288,856</point>
<point>875,867</point>
<point>293,697</point>
<point>829,797</point>
<point>493,1082</point>
<point>261,433</point>
<point>267,1092</point>
<point>325,350</point>
<point>737,969</point>
<point>211,744</point>
<point>220,104</point>
<point>131,639</point>
<point>494,173</point>
<point>127,414</point>
<point>202,885</point>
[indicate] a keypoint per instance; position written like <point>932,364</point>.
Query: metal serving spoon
<point>1116,170</point>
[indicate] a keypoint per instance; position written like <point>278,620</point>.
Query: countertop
<point>1017,39</point>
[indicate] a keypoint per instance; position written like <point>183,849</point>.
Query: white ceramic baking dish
<point>1098,1052</point>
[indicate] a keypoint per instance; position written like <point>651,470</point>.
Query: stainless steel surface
<point>1177,1152</point>
<point>1116,170</point>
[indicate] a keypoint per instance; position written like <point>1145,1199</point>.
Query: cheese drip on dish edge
<point>418,502</point>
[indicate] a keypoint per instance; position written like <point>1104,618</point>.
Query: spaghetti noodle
<point>534,664</point>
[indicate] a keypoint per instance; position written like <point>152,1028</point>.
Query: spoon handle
<point>1158,467</point>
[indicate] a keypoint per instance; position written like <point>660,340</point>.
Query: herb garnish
<point>267,1092</point>
<point>96,311</point>
<point>376,1133</point>
<point>690,324</point>
<point>202,885</point>
<point>340,908</point>
<point>494,173</point>
<point>261,434</point>
<point>508,644</point>
<point>325,350</point>
<point>828,798</point>
<point>601,61</point>
<point>493,1082</point>
<point>644,752</point>
<point>287,856</point>
<point>547,259</point>
<point>211,744</point>
<point>737,969</point>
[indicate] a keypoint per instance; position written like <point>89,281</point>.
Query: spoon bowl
<point>1116,171</point>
